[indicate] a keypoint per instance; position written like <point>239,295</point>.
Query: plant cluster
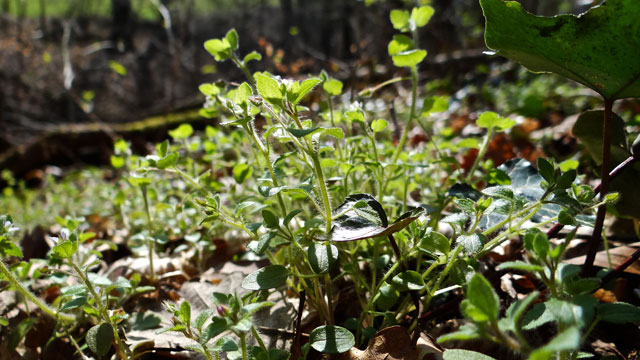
<point>313,191</point>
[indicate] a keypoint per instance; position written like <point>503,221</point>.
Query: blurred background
<point>76,74</point>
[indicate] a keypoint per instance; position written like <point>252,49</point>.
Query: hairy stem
<point>8,275</point>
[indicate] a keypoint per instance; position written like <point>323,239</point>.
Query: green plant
<point>589,57</point>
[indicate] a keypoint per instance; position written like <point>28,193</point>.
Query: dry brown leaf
<point>618,255</point>
<point>394,343</point>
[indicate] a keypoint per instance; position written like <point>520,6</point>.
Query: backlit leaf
<point>330,339</point>
<point>599,48</point>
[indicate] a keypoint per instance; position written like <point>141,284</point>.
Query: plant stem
<point>8,275</point>
<point>245,71</point>
<point>481,152</point>
<point>123,350</point>
<point>596,237</point>
<point>452,260</point>
<point>323,191</point>
<point>329,290</point>
<point>150,242</point>
<point>365,311</point>
<point>405,133</point>
<point>243,346</point>
<point>337,142</point>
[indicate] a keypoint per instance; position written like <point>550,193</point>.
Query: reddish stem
<point>596,238</point>
<point>622,267</point>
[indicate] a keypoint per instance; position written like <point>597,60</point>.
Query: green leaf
<point>387,297</point>
<point>520,266</point>
<point>399,18</point>
<point>299,133</point>
<point>65,249</point>
<point>322,257</point>
<point>459,354</point>
<point>541,246</point>
<point>619,313</point>
<point>588,129</point>
<point>219,48</point>
<point>362,217</point>
<point>217,326</point>
<point>250,309</point>
<point>252,56</point>
<point>305,87</point>
<point>334,132</point>
<point>503,192</point>
<point>241,94</point>
<point>99,339</point>
<point>408,280</point>
<point>224,344</point>
<point>137,180</point>
<point>8,248</point>
<point>333,87</point>
<point>269,88</point>
<point>468,143</point>
<point>472,244</point>
<point>4,321</point>
<point>565,218</point>
<point>241,171</point>
<point>490,120</point>
<point>269,277</point>
<point>168,161</point>
<point>409,58</point>
<point>331,339</point>
<point>74,303</point>
<point>182,132</point>
<point>464,333</point>
<point>421,15</point>
<point>209,89</point>
<point>184,313</point>
<point>379,125</point>
<point>433,241</point>
<point>599,48</point>
<point>546,169</point>
<point>466,205</point>
<point>518,308</point>
<point>145,321</point>
<point>270,219</point>
<point>117,161</point>
<point>569,339</point>
<point>435,104</point>
<point>355,115</point>
<point>481,295</point>
<point>399,44</point>
<point>232,38</point>
<point>118,68</point>
<point>263,243</point>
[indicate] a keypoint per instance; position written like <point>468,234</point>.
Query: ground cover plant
<point>372,239</point>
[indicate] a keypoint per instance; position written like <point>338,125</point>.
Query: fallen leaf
<point>618,255</point>
<point>394,343</point>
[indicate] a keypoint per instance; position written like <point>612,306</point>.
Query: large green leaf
<point>599,48</point>
<point>362,217</point>
<point>99,338</point>
<point>331,339</point>
<point>588,129</point>
<point>268,277</point>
